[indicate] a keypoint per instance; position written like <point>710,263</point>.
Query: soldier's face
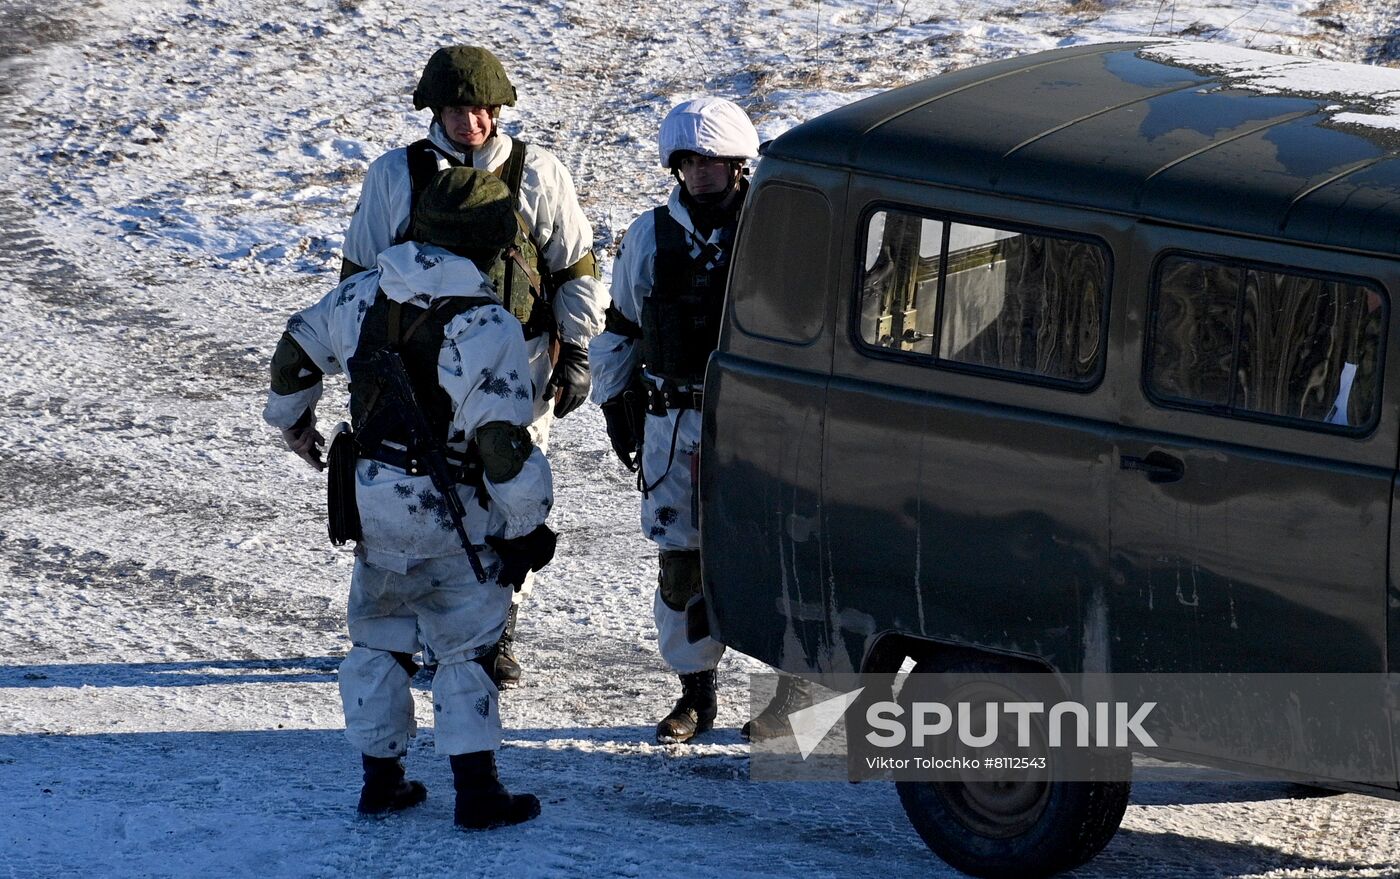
<point>705,175</point>
<point>468,126</point>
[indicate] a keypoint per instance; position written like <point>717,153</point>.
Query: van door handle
<point>1159,466</point>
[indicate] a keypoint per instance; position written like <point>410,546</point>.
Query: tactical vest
<point>681,318</point>
<point>416,333</point>
<point>518,277</point>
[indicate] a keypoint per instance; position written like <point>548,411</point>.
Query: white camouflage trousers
<point>459,618</point>
<point>540,369</point>
<point>670,455</point>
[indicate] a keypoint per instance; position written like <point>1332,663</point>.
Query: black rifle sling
<point>392,337</point>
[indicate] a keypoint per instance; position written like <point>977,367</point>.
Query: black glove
<point>626,419</point>
<point>305,440</point>
<point>521,555</point>
<point>569,382</point>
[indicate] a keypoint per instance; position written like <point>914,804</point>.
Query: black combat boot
<point>507,670</point>
<point>385,789</point>
<point>694,712</point>
<point>482,801</point>
<point>793,694</point>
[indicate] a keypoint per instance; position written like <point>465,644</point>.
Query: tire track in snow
<point>70,446</point>
<point>124,605</point>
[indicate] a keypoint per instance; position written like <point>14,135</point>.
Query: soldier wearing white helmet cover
<point>550,283</point>
<point>648,367</point>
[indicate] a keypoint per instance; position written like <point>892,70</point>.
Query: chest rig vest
<point>518,278</point>
<point>681,318</point>
<point>416,333</point>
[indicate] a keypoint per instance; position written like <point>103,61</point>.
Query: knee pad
<point>679,577</point>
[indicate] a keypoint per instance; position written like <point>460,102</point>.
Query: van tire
<point>1027,829</point>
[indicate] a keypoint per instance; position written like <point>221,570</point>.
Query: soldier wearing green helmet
<point>549,279</point>
<point>463,76</point>
<point>439,486</point>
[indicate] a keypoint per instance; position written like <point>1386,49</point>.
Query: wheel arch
<point>889,650</point>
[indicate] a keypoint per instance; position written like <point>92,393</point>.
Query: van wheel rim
<point>995,809</point>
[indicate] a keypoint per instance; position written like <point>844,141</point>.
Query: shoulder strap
<point>511,173</point>
<point>514,169</point>
<point>423,156</point>
<point>450,306</point>
<point>672,266</point>
<point>670,236</point>
<point>443,310</point>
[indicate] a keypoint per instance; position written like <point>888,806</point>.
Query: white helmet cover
<point>710,127</point>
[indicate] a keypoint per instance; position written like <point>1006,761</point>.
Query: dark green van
<point>1079,362</point>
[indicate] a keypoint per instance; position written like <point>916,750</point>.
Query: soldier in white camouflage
<point>439,485</point>
<point>648,368</point>
<point>550,281</point>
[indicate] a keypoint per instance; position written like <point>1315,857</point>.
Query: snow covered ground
<point>177,177</point>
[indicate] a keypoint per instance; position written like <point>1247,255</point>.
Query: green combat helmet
<point>463,76</point>
<point>466,210</point>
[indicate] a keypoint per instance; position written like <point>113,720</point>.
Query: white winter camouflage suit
<point>668,515</point>
<point>549,205</point>
<point>410,569</point>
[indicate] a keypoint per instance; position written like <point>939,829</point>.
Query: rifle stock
<point>431,449</point>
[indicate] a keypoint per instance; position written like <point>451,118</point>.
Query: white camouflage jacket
<point>482,367</point>
<point>547,202</point>
<point>612,357</point>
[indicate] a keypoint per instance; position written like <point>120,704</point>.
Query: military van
<point>1074,362</point>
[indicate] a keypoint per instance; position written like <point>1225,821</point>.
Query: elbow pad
<point>292,369</point>
<point>504,448</point>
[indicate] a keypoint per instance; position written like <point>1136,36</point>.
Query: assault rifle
<point>387,366</point>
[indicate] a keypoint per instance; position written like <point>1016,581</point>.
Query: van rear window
<point>1254,341</point>
<point>984,297</point>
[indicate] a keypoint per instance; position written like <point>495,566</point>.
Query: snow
<point>1266,73</point>
<point>178,174</point>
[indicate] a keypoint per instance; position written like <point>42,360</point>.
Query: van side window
<point>1240,339</point>
<point>988,297</point>
<point>899,290</point>
<point>781,273</point>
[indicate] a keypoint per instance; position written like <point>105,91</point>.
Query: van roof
<point>1196,133</point>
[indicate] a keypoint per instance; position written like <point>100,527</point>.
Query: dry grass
<point>1334,9</point>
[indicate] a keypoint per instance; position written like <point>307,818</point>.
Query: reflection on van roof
<point>1194,133</point>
